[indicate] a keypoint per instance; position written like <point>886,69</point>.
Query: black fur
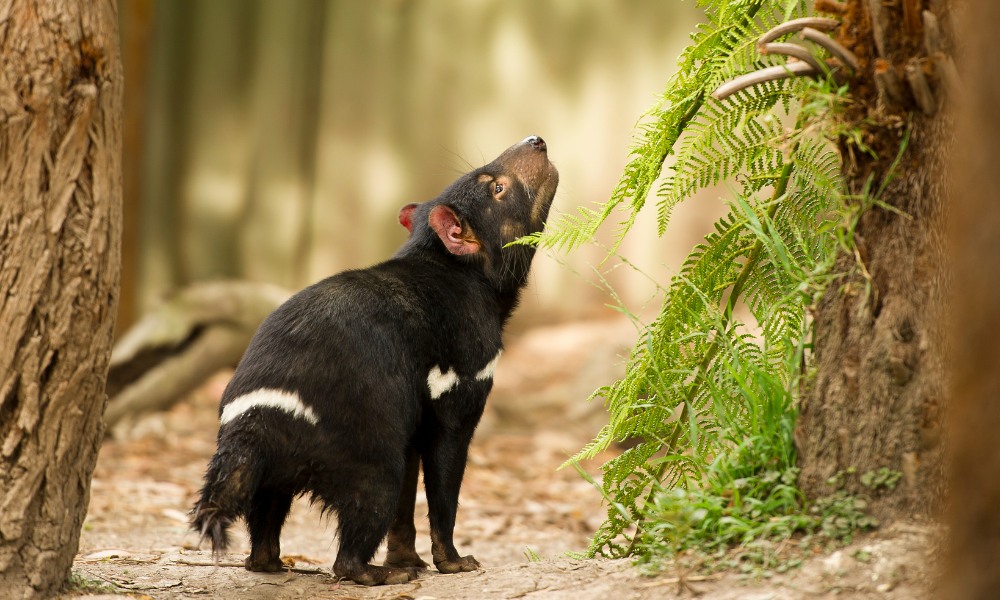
<point>357,349</point>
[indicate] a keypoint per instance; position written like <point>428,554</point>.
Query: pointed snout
<point>528,160</point>
<point>535,142</point>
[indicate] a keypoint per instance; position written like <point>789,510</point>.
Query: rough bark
<point>60,214</point>
<point>880,387</point>
<point>972,564</point>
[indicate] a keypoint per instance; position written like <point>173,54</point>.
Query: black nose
<point>536,142</point>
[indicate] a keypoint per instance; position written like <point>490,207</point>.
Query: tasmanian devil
<point>358,380</point>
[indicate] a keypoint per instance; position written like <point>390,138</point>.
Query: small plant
<point>883,478</point>
<point>752,530</point>
<point>840,515</point>
<point>861,555</point>
<point>82,584</point>
<point>531,555</point>
<point>748,509</point>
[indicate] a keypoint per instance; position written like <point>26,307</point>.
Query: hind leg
<point>265,520</point>
<point>364,518</point>
<point>402,551</point>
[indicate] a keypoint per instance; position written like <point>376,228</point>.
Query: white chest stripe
<point>487,371</point>
<point>270,398</point>
<point>439,382</point>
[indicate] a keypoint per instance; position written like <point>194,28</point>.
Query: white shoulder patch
<point>487,371</point>
<point>269,398</point>
<point>439,383</point>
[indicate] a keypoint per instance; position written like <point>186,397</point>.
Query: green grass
<point>748,513</point>
<point>80,583</point>
<point>531,555</point>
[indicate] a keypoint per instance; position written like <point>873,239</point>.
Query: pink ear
<point>406,216</point>
<point>445,223</point>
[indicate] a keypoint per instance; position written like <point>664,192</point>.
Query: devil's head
<point>477,216</point>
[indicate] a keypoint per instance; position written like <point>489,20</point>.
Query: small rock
<point>834,563</point>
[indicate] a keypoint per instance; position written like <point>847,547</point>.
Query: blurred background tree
<point>275,141</point>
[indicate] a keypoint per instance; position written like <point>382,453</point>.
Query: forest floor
<point>519,516</point>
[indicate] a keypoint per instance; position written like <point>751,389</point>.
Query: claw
<point>462,565</point>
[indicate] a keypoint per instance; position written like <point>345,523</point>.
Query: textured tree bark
<point>972,563</point>
<point>880,386</point>
<point>60,231</point>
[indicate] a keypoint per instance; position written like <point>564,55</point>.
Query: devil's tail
<point>230,482</point>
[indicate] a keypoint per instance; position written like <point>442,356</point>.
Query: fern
<point>721,49</point>
<point>686,396</point>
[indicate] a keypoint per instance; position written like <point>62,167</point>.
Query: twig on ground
<point>677,580</point>
<point>206,563</point>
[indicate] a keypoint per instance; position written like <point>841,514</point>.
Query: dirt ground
<point>519,516</point>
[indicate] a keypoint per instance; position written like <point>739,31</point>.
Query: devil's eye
<point>498,188</point>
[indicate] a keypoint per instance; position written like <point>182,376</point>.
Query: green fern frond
<point>720,49</point>
<point>568,232</point>
<point>688,387</point>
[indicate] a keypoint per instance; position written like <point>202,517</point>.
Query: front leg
<point>401,551</point>
<point>444,465</point>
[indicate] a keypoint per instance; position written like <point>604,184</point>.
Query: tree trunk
<point>972,564</point>
<point>137,20</point>
<point>60,231</point>
<point>880,385</point>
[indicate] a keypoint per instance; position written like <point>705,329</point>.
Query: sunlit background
<point>275,140</point>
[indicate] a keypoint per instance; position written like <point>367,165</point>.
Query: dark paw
<point>265,565</point>
<point>402,575</point>
<point>372,575</point>
<point>462,565</point>
<point>404,560</point>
